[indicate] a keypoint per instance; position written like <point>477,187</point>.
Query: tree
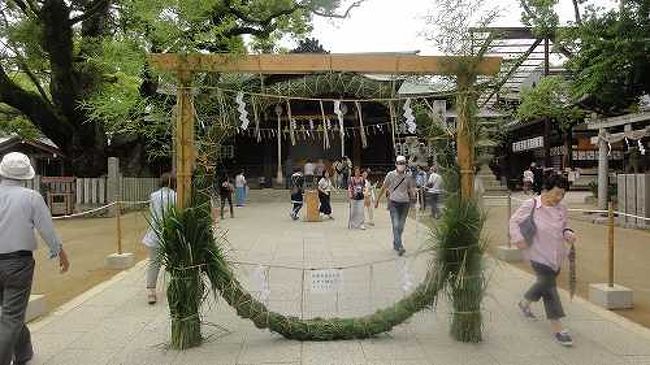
<point>609,51</point>
<point>86,60</point>
<point>611,64</point>
<point>309,45</point>
<point>551,99</point>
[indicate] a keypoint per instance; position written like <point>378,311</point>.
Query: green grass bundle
<point>459,251</point>
<point>186,243</point>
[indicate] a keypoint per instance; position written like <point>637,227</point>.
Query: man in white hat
<point>401,191</point>
<point>21,210</point>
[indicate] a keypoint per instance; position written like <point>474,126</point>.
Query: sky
<point>397,25</point>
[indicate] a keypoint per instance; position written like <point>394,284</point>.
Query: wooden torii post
<point>185,65</point>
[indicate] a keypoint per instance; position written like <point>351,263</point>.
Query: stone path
<point>112,324</point>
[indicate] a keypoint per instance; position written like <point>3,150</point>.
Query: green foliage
<point>611,63</point>
<point>540,15</point>
<point>551,98</point>
<point>96,68</point>
<point>19,126</point>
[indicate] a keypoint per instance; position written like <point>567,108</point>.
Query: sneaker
<point>564,339</point>
<point>330,217</point>
<point>363,228</point>
<point>525,310</point>
<point>401,251</point>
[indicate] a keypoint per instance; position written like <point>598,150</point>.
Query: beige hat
<point>400,159</point>
<point>16,166</point>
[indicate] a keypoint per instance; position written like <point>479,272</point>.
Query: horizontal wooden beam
<point>310,63</point>
<point>619,120</point>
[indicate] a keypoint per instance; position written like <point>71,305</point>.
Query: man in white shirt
<point>434,191</point>
<point>161,201</point>
<point>309,173</point>
<point>21,211</point>
<point>401,190</point>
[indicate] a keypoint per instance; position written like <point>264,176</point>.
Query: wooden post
<point>279,174</point>
<point>464,140</point>
<point>118,213</point>
<point>610,245</point>
<point>508,218</point>
<point>184,138</point>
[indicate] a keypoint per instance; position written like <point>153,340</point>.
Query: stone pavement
<point>112,324</point>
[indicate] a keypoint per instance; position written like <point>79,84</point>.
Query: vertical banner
<point>339,114</point>
<point>326,127</point>
<point>292,124</point>
<point>256,115</point>
<point>391,109</point>
<point>362,130</point>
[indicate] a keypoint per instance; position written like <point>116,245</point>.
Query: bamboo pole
<point>464,140</point>
<point>118,212</point>
<point>184,139</point>
<point>610,245</point>
<point>508,219</point>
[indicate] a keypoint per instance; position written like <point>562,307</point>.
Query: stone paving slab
<point>112,324</point>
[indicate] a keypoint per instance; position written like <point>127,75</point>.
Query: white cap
<point>16,166</point>
<point>400,159</point>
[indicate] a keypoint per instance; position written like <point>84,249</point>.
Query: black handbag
<point>527,226</point>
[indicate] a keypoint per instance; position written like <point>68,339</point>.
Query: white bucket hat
<point>400,159</point>
<point>16,166</point>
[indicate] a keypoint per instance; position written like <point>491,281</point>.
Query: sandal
<point>151,298</point>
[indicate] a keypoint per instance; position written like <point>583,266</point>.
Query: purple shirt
<point>548,246</point>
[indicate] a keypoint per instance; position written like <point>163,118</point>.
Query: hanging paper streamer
<point>326,127</point>
<point>257,121</point>
<point>409,119</point>
<point>260,281</point>
<point>609,149</point>
<point>362,130</point>
<point>311,124</point>
<point>241,108</point>
<point>292,124</point>
<point>406,282</point>
<point>339,114</point>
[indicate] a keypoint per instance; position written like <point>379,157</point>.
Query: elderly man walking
<point>21,210</point>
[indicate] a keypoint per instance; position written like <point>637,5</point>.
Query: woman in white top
<point>356,189</point>
<point>240,188</point>
<point>324,190</point>
<point>370,197</point>
<point>160,201</point>
<point>528,180</point>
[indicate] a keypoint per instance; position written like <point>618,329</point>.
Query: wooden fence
<point>93,192</point>
<point>138,188</point>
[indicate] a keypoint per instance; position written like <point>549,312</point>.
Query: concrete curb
<point>604,313</point>
<point>84,297</point>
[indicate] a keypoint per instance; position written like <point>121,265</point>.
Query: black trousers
<point>325,206</point>
<point>546,288</point>
<point>16,275</point>
<point>227,197</point>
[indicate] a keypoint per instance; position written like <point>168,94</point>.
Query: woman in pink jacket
<point>546,250</point>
